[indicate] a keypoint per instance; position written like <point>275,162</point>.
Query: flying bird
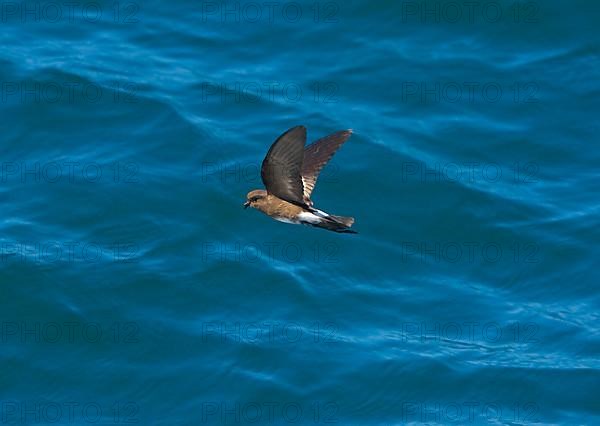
<point>290,172</point>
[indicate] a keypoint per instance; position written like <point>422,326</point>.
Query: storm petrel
<point>289,173</point>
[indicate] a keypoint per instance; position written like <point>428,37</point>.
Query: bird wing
<point>281,168</point>
<point>317,155</point>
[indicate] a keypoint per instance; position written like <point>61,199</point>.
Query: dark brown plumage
<point>281,169</point>
<point>290,172</point>
<point>316,156</point>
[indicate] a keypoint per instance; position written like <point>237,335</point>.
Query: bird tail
<point>339,224</point>
<point>334,226</point>
<point>344,220</point>
<point>334,223</point>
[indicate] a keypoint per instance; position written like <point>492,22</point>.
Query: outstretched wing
<point>317,155</point>
<point>281,168</point>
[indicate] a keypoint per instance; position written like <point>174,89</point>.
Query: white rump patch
<point>309,217</point>
<point>321,213</point>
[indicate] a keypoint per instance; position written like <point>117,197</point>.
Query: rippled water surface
<point>134,287</point>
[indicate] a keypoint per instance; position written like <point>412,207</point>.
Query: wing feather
<point>316,156</point>
<point>282,166</point>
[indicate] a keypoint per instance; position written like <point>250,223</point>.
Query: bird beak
<point>246,204</point>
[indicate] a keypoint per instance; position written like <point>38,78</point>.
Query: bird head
<point>255,198</point>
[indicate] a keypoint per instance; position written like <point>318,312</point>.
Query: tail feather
<point>344,220</point>
<point>334,223</point>
<point>333,226</point>
<point>339,224</point>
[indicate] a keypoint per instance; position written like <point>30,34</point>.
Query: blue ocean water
<point>136,289</point>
